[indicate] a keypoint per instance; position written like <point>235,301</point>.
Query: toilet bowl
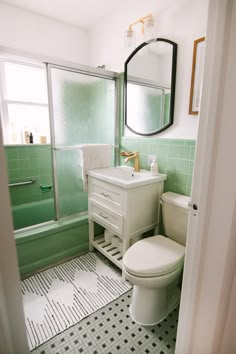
<point>154,265</point>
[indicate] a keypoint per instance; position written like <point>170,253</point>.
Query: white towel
<point>94,156</point>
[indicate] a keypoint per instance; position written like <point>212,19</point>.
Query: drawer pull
<point>103,216</point>
<point>106,195</point>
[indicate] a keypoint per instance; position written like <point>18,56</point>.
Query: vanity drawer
<point>106,217</point>
<point>109,195</point>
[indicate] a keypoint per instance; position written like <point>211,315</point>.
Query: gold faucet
<point>131,156</point>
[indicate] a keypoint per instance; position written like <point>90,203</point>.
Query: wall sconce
<point>148,31</point>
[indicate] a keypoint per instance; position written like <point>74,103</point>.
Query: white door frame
<point>211,243</point>
<point>202,291</point>
<point>12,326</point>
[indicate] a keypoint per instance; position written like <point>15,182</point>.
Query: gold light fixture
<point>148,30</point>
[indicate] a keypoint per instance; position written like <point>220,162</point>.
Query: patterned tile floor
<point>111,330</point>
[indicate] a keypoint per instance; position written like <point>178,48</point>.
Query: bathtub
<point>29,214</point>
<point>44,245</point>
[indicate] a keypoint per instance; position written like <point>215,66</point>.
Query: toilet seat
<point>153,256</point>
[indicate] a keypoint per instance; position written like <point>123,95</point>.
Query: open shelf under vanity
<point>108,250</point>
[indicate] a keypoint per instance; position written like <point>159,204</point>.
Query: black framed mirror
<point>149,87</point>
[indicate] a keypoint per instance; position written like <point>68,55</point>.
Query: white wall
<point>182,21</point>
<point>40,35</point>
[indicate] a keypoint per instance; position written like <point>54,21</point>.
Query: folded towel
<point>94,156</point>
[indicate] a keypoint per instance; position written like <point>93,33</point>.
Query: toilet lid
<point>153,256</point>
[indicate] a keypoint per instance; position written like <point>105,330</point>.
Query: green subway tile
<point>23,164</point>
<point>142,147</point>
<point>192,153</point>
<point>34,163</point>
<point>162,151</point>
<point>173,151</point>
<point>183,166</point>
<point>162,166</point>
<point>167,186</point>
<point>188,191</point>
<point>46,179</point>
<point>174,157</point>
<point>13,164</point>
<point>11,153</point>
<point>171,164</point>
<point>152,149</point>
<point>46,195</point>
<point>189,181</point>
<point>171,178</point>
<point>26,172</point>
<point>176,142</point>
<point>178,188</point>
<point>33,152</point>
<point>190,143</point>
<point>181,179</point>
<point>184,152</point>
<point>190,171</point>
<point>14,173</point>
<point>143,161</point>
<point>22,153</point>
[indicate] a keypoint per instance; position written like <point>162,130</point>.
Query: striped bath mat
<point>59,297</point>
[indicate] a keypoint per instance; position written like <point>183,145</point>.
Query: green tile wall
<point>26,162</point>
<point>174,157</point>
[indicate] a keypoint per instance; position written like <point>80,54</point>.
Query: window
<point>24,103</point>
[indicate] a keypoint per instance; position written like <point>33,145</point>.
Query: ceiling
<point>82,13</point>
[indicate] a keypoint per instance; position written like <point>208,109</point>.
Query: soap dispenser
<point>154,168</point>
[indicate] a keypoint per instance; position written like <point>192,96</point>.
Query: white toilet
<point>154,265</point>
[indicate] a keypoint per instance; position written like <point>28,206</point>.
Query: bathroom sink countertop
<point>126,177</point>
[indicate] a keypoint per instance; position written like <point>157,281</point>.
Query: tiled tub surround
<point>175,158</point>
<point>23,163</point>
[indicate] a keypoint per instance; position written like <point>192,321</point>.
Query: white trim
<point>54,61</point>
<point>6,102</point>
<point>209,231</point>
<point>12,330</point>
<point>26,103</point>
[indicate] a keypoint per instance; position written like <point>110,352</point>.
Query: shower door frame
<point>89,71</point>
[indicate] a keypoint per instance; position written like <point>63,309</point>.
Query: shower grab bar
<point>32,180</point>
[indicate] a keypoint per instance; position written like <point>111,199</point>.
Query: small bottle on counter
<point>26,137</point>
<point>154,168</point>
<point>31,139</point>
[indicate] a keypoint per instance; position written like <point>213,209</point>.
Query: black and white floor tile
<point>111,330</point>
<point>59,297</point>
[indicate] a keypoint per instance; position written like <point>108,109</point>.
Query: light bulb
<point>149,30</point>
<point>129,38</point>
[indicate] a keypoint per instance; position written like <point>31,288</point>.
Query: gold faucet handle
<point>127,153</point>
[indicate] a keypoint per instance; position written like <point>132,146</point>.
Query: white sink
<point>125,176</point>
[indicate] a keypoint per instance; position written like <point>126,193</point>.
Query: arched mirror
<point>149,87</point>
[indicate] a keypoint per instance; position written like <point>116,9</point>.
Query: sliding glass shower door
<point>83,111</point>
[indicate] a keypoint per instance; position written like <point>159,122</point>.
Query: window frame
<point>4,112</point>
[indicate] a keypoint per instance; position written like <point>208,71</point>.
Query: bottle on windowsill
<point>31,139</point>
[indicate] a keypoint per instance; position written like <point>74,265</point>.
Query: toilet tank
<point>175,216</point>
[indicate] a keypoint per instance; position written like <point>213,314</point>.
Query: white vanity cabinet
<point>125,210</point>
